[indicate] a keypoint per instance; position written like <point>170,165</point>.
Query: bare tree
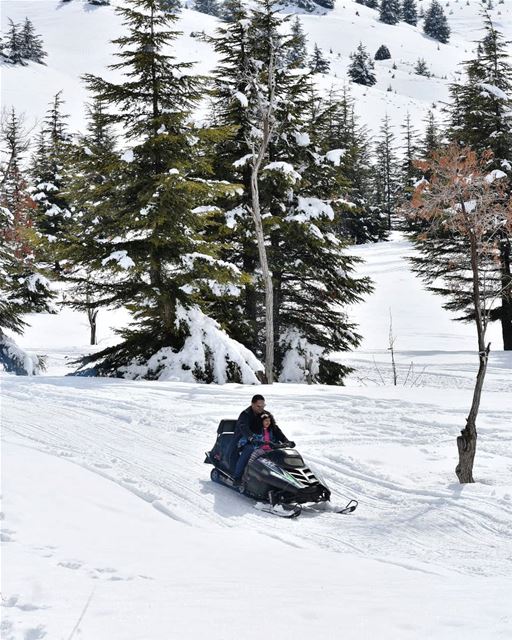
<point>258,143</point>
<point>462,197</point>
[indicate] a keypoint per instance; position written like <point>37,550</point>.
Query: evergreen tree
<point>361,70</point>
<point>389,11</point>
<point>159,264</point>
<point>13,45</point>
<point>230,10</point>
<point>298,44</point>
<point>387,171</point>
<point>90,182</point>
<point>347,145</point>
<point>410,173</point>
<point>421,68</point>
<point>410,12</point>
<point>432,138</point>
<point>382,53</point>
<point>23,288</point>
<point>53,150</point>
<point>31,44</point>
<point>210,7</point>
<point>372,4</point>
<point>318,63</point>
<point>481,117</point>
<point>435,23</point>
<point>298,188</point>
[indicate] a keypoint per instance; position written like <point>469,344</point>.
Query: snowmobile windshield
<point>293,460</point>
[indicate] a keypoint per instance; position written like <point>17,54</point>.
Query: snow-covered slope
<point>77,38</point>
<point>106,494</point>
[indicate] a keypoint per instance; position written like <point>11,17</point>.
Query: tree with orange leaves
<point>463,200</point>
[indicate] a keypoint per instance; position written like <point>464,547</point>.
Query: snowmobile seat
<point>223,453</point>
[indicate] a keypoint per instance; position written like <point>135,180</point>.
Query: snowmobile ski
<point>281,510</point>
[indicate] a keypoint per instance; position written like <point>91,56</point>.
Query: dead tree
<point>462,197</point>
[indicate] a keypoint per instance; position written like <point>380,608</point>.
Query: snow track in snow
<point>392,452</point>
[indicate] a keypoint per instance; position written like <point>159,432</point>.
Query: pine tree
<point>435,23</point>
<point>481,117</point>
<point>421,68</point>
<point>387,171</point>
<point>297,188</point>
<point>159,264</point>
<point>210,7</point>
<point>53,150</point>
<point>13,45</point>
<point>318,63</point>
<point>382,53</point>
<point>372,4</point>
<point>31,44</point>
<point>347,145</point>
<point>389,11</point>
<point>432,138</point>
<point>410,12</point>
<point>90,182</point>
<point>298,44</point>
<point>361,69</point>
<point>410,173</point>
<point>23,288</point>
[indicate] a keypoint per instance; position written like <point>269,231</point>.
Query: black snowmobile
<point>279,478</point>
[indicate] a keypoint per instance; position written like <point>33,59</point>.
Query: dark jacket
<point>249,424</point>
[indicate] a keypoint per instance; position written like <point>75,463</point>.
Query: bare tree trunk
<point>267,276</point>
<point>92,314</point>
<point>266,108</point>
<point>466,442</point>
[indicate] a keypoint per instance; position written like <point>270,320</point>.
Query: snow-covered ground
<point>112,526</point>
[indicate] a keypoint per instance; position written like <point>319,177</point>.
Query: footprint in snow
<point>36,633</point>
<point>70,564</point>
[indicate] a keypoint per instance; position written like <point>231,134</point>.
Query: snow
<point>493,90</point>
<point>105,493</point>
<point>242,98</point>
<point>111,527</point>
<point>311,209</point>
<point>285,168</point>
<point>121,257</point>
<point>128,156</point>
<point>335,156</point>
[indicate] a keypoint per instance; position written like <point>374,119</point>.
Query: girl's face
<point>266,422</point>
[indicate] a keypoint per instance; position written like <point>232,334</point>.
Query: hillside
<point>77,38</point>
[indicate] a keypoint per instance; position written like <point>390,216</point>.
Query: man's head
<point>258,403</point>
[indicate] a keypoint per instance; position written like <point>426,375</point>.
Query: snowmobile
<point>279,479</point>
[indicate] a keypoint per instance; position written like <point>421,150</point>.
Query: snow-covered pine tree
<point>361,69</point>
<point>13,47</point>
<point>90,189</point>
<point>159,264</point>
<point>23,288</point>
<point>298,44</point>
<point>372,4</point>
<point>210,7</point>
<point>410,12</point>
<point>382,53</point>
<point>31,44</point>
<point>297,194</point>
<point>347,146</point>
<point>53,151</point>
<point>435,23</point>
<point>318,63</point>
<point>389,11</point>
<point>387,171</point>
<point>481,117</point>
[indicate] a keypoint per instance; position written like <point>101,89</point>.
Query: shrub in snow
<point>207,354</point>
<point>15,360</point>
<point>421,68</point>
<point>382,53</point>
